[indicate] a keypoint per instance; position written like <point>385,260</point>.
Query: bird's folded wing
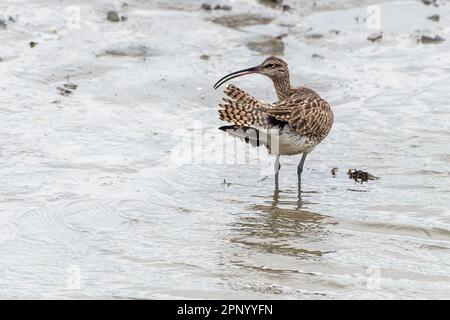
<point>306,114</point>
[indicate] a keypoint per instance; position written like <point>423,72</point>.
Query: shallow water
<point>126,189</point>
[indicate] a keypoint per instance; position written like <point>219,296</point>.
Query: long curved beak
<point>236,74</point>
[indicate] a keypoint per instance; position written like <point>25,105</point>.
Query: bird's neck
<point>282,86</point>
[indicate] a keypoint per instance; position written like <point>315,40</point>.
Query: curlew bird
<point>295,124</point>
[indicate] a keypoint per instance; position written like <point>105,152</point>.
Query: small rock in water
<point>317,56</point>
<point>204,57</point>
<point>112,16</point>
<point>127,50</point>
<point>377,36</point>
<point>271,3</point>
<point>427,37</point>
<point>206,6</point>
<point>222,7</point>
<point>33,44</point>
<point>242,20</point>
<point>360,176</point>
<point>334,31</point>
<point>314,36</point>
<point>428,2</point>
<point>434,17</point>
<point>3,24</point>
<point>334,171</point>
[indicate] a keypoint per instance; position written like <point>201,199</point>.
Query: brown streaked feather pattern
<point>242,109</point>
<point>240,96</point>
<point>306,112</point>
<point>300,120</point>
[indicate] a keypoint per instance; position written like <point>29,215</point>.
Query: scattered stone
<point>360,176</point>
<point>314,36</point>
<point>334,171</point>
<point>375,37</point>
<point>334,31</point>
<point>427,37</point>
<point>112,16</point>
<point>226,183</point>
<point>3,24</point>
<point>269,46</point>
<point>206,6</point>
<point>285,8</point>
<point>428,2</point>
<point>271,3</point>
<point>33,44</point>
<point>241,20</point>
<point>317,56</point>
<point>123,18</point>
<point>222,7</point>
<point>204,57</point>
<point>434,17</point>
<point>127,50</point>
<point>1,59</point>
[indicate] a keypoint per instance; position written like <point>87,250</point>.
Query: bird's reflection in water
<point>281,226</point>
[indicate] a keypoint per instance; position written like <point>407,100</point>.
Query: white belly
<point>289,142</point>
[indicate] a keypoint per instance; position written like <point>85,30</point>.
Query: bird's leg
<point>277,167</point>
<point>299,172</point>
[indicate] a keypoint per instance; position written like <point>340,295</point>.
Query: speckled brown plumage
<point>303,110</point>
<point>300,119</point>
<point>306,112</point>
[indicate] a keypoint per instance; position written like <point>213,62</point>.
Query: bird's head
<point>273,68</point>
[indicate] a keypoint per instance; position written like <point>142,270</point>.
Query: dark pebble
<point>428,2</point>
<point>434,17</point>
<point>360,176</point>
<point>430,39</point>
<point>317,56</point>
<point>334,171</point>
<point>377,36</point>
<point>222,7</point>
<point>206,6</point>
<point>112,16</point>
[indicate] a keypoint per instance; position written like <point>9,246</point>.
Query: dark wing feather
<point>306,112</point>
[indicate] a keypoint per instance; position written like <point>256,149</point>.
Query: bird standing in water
<point>295,124</point>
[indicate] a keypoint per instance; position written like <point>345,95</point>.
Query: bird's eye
<point>270,66</point>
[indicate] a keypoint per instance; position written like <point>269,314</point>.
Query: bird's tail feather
<point>240,96</point>
<point>249,135</point>
<point>241,109</point>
